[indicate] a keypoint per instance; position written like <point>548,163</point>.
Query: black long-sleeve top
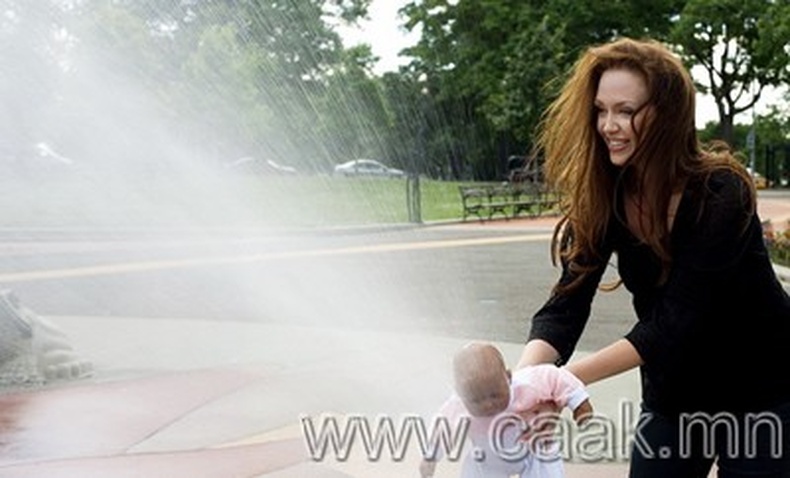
<point>716,334</point>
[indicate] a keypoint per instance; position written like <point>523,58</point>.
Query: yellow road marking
<point>130,267</point>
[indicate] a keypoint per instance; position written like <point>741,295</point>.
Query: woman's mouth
<point>617,146</point>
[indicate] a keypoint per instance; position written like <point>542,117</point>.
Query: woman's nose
<point>608,123</point>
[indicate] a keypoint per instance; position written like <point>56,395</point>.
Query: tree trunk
<point>726,129</point>
<point>726,119</point>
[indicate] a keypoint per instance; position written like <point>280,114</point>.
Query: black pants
<point>686,446</point>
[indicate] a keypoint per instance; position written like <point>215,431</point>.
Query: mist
<point>135,181</point>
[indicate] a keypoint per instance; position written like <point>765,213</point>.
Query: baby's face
<point>488,395</point>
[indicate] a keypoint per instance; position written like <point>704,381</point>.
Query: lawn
<point>220,201</point>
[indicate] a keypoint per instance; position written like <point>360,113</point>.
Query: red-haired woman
<point>713,325</point>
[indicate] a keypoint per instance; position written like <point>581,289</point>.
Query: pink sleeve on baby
<point>540,383</point>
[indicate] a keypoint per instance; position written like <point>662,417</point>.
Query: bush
<point>778,243</point>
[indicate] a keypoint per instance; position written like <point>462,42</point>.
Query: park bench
<point>508,200</point>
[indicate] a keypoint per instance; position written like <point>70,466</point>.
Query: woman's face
<point>621,93</point>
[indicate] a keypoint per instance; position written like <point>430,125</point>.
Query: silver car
<point>249,164</point>
<point>367,167</point>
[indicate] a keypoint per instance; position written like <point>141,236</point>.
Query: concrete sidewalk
<point>201,399</point>
<point>191,398</point>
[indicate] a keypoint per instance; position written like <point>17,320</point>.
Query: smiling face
<point>620,112</point>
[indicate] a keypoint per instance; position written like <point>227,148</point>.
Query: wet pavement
<point>199,398</point>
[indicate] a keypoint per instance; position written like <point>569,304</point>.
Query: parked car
<point>760,182</point>
<point>367,167</point>
<point>37,160</point>
<point>249,164</point>
<point>46,154</point>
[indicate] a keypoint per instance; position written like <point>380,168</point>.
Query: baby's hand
<point>583,412</point>
<point>541,419</point>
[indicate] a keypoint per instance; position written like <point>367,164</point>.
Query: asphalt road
<point>440,280</point>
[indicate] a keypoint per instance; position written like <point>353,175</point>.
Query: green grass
<point>344,201</point>
<point>220,201</point>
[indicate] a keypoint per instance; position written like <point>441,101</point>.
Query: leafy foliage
<point>134,82</point>
<point>742,46</point>
<point>498,58</point>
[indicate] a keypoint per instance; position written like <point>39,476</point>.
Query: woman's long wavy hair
<point>668,152</point>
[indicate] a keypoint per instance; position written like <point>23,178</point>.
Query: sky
<point>383,33</point>
<point>386,38</point>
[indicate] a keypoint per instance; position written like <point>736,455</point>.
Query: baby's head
<point>481,379</point>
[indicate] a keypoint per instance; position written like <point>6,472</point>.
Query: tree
<point>742,47</point>
<point>219,96</point>
<point>298,60</point>
<point>354,115</point>
<point>29,84</point>
<point>496,58</point>
<point>225,77</point>
<point>772,143</point>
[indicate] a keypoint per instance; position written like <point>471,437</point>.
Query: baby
<point>487,393</point>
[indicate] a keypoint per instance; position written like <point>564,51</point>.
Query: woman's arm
<point>611,360</point>
<point>557,326</point>
<point>537,351</point>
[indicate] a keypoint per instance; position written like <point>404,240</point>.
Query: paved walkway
<point>777,210</point>
<point>233,399</point>
<point>226,401</point>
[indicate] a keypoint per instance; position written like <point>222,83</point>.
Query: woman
<point>713,320</point>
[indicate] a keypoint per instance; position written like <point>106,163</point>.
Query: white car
<point>759,180</point>
<point>45,152</point>
<point>367,167</point>
<point>249,164</point>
